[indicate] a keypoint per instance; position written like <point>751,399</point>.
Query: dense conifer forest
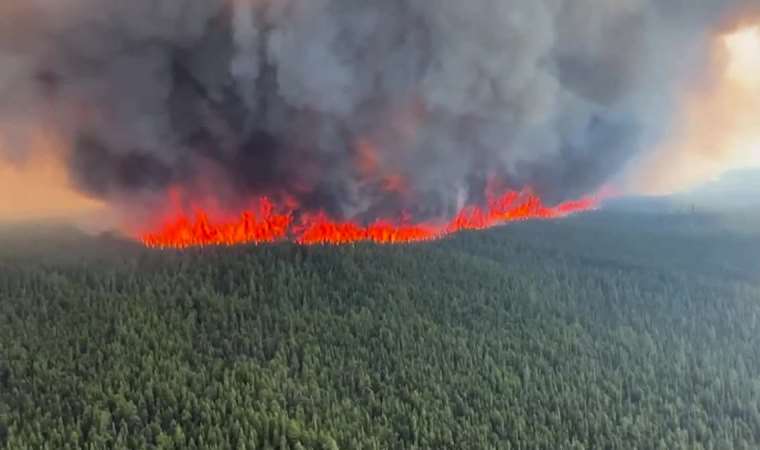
<point>605,331</point>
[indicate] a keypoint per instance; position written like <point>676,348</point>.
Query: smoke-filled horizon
<point>361,109</point>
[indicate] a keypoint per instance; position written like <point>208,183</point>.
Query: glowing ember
<point>268,225</point>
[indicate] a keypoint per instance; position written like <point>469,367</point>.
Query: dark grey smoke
<point>235,98</point>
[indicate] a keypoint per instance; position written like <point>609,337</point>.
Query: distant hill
<point>734,190</point>
<point>642,204</point>
<point>736,193</point>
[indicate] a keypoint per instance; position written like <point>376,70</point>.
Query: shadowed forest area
<point>610,330</point>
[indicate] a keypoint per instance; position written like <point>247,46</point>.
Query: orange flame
<point>270,224</point>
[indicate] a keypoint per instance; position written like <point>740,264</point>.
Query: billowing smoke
<point>355,107</point>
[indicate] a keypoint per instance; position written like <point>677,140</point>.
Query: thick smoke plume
<point>356,107</point>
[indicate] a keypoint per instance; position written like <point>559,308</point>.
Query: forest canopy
<point>607,331</point>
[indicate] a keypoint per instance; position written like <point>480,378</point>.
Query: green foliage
<point>528,337</point>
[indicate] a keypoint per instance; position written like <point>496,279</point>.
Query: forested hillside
<point>600,332</point>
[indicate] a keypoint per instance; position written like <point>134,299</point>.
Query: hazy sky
<point>717,127</point>
<point>38,188</point>
<point>744,68</point>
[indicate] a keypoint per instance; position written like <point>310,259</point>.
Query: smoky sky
<point>329,101</point>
